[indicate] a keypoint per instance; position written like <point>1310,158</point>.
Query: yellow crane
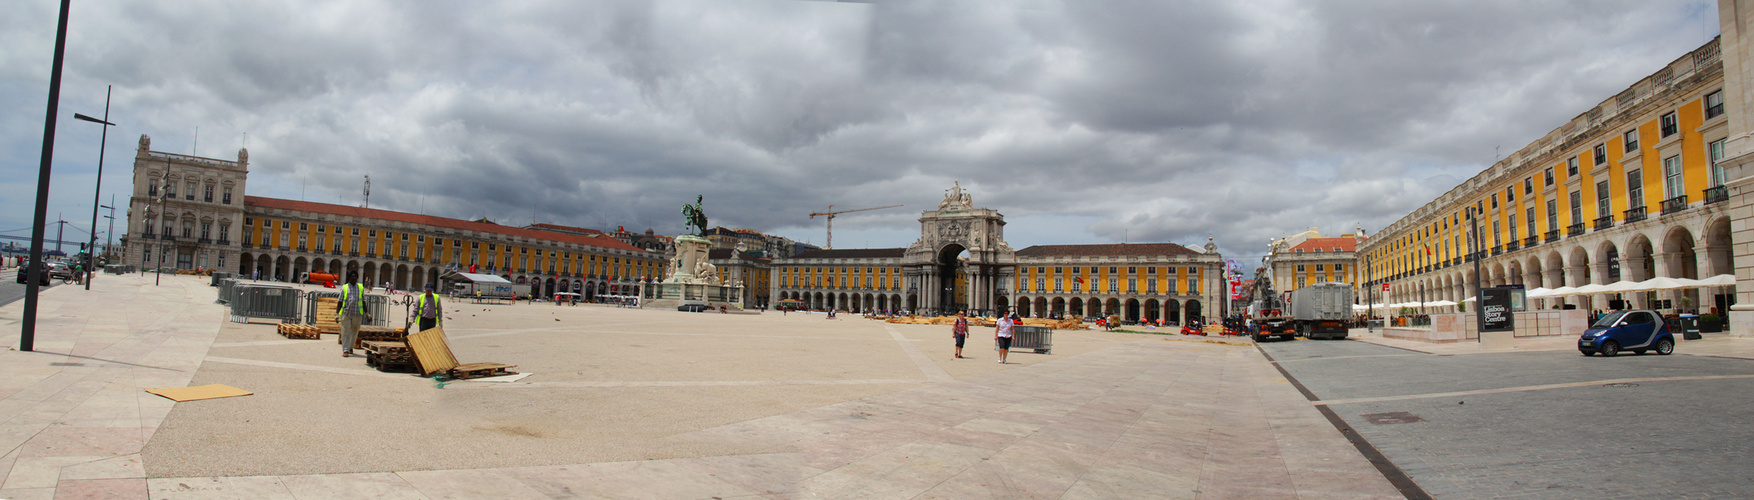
<point>831,212</point>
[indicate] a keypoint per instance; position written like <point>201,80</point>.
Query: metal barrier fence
<point>376,306</point>
<point>1039,338</point>
<point>264,301</point>
<point>217,277</point>
<point>225,290</point>
<point>118,269</point>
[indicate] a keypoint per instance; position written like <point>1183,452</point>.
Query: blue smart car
<point>1635,331</point>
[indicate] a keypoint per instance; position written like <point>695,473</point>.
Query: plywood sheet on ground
<point>432,351</point>
<point>200,392</point>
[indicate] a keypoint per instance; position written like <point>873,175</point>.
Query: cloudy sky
<point>1086,121</point>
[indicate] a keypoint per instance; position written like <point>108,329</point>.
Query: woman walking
<point>959,331</point>
<point>1003,331</point>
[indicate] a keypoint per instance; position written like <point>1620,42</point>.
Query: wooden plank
<point>432,351</point>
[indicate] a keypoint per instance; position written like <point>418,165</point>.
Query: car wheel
<point>1610,348</point>
<point>1665,347</point>
<point>1259,338</point>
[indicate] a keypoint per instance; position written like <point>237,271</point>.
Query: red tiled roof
<point>565,229</point>
<point>445,222</point>
<point>1345,244</point>
<point>853,253</point>
<point>1111,249</point>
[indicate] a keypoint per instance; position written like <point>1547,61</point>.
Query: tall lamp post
<point>110,234</point>
<point>97,191</point>
<point>34,267</point>
<point>1474,253</point>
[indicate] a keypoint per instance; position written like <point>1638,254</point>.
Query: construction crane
<point>831,212</point>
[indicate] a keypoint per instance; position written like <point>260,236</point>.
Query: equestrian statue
<point>696,216</point>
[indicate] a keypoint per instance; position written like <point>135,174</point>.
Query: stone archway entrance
<point>961,260</point>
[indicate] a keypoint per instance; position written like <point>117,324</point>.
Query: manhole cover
<point>1396,417</point>
<point>1620,384</point>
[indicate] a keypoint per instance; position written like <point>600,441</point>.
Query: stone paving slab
<point>827,409</point>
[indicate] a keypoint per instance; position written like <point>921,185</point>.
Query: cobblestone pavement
<point>1542,424</point>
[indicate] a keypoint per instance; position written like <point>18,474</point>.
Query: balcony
<point>167,237</point>
<point>1533,240</point>
<point>1552,236</point>
<point>1716,194</point>
<point>149,236</point>
<point>1512,246</point>
<point>224,243</point>
<point>1603,222</point>
<point>1635,215</point>
<point>204,241</point>
<point>1574,230</point>
<point>1675,204</point>
<point>1496,249</point>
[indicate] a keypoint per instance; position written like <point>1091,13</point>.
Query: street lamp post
<point>1479,297</point>
<point>34,267</point>
<point>110,234</point>
<point>97,191</point>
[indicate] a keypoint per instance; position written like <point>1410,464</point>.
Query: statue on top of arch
<point>956,198</point>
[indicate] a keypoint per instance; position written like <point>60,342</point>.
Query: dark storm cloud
<point>1143,121</point>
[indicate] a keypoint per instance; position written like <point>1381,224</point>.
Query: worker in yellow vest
<point>428,312</point>
<point>351,311</point>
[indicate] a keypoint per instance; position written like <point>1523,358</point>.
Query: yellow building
<point>1628,190</point>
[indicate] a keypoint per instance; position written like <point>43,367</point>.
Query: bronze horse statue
<point>695,215</point>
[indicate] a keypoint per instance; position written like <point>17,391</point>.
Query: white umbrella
<point>1591,289</point>
<point>1662,283</point>
<point>1719,280</point>
<point>1440,303</point>
<point>1621,286</point>
<point>1562,291</point>
<point>1538,293</point>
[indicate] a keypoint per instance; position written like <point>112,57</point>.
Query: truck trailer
<point>1321,310</point>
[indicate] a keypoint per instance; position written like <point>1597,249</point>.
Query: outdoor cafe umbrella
<point>1719,280</point>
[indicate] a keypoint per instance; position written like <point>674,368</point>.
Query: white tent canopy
<point>480,278</point>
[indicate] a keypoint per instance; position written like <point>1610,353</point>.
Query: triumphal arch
<point>961,261</point>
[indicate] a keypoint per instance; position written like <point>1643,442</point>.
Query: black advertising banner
<point>1496,314</point>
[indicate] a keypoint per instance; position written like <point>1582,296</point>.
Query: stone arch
<point>1059,307</point>
<point>1682,259</point>
<point>1193,310</point>
<point>1172,311</point>
<point>1075,306</point>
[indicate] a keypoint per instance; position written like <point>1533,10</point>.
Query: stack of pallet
<point>389,356</point>
<point>297,331</point>
<point>376,334</point>
<point>433,352</point>
<point>326,321</point>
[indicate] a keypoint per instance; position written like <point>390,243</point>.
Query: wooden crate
<point>297,331</point>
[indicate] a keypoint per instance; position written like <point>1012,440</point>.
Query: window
<point>1300,268</point>
<point>1319,268</point>
<point>1529,185</point>
<point>1495,201</point>
<point>1339,267</point>
<point>1495,232</point>
<point>1193,286</point>
<point>151,190</point>
<point>1673,187</point>
<point>189,194</point>
<point>1571,166</point>
<point>224,232</point>
<point>1548,176</point>
<point>1716,150</point>
<point>225,196</point>
<point>1602,193</point>
<point>1112,270</point>
<point>1601,154</point>
<point>170,190</point>
<point>1714,104</point>
<point>286,224</point>
<point>1531,219</point>
<point>1059,284</point>
<point>1513,228</point>
<point>1509,193</point>
<point>1631,139</point>
<point>206,230</point>
<point>1667,125</point>
<point>303,226</point>
<point>1577,207</point>
<point>207,193</point>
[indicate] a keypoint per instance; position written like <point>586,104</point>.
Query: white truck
<point>509,291</point>
<point>1322,310</point>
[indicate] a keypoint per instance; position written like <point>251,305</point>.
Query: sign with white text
<point>1496,310</point>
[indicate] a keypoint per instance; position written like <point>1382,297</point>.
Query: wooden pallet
<point>297,331</point>
<point>478,370</point>
<point>404,365</point>
<point>431,351</point>
<point>374,334</point>
<point>390,352</point>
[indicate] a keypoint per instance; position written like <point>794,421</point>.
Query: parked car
<point>60,270</point>
<point>43,277</point>
<point>692,306</point>
<point>1636,331</point>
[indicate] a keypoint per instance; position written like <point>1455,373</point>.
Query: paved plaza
<point>623,403</point>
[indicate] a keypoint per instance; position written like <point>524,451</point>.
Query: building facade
<point>185,211</point>
<point>749,270</point>
<point>1136,281</point>
<point>1631,189</point>
<point>285,239</point>
<point>962,263</point>
<point>1308,258</point>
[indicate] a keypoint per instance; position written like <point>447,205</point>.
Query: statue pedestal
<point>692,279</point>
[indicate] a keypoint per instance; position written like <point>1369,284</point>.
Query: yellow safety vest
<point>428,307</point>
<point>355,299</point>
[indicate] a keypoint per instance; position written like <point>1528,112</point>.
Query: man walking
<point>428,311</point>
<point>351,311</point>
<point>959,331</point>
<point>1003,331</point>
